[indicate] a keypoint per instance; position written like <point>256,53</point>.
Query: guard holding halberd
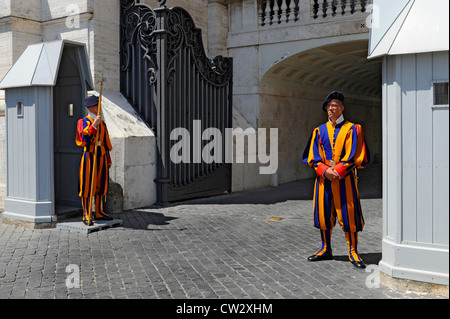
<point>87,129</point>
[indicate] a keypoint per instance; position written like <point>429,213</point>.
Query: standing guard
<point>87,129</point>
<point>336,149</point>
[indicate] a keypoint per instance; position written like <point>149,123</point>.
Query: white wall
<point>415,169</point>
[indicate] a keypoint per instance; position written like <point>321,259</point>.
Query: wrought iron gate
<point>167,77</point>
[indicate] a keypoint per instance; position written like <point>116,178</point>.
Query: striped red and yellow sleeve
<point>85,132</point>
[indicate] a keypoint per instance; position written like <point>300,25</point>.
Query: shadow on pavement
<point>369,181</point>
<point>145,220</point>
<point>370,186</point>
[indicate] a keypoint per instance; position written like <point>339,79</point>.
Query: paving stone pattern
<point>219,247</point>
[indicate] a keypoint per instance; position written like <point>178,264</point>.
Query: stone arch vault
<point>292,90</point>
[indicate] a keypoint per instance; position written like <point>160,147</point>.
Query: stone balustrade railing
<point>278,12</point>
<point>333,8</point>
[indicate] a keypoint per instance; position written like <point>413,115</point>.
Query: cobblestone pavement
<point>219,247</point>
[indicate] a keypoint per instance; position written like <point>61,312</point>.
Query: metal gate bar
<point>167,77</point>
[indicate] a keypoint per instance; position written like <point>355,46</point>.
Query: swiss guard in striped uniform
<point>87,128</point>
<point>335,150</point>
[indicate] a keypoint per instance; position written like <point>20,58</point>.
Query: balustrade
<point>279,12</point>
<point>333,8</point>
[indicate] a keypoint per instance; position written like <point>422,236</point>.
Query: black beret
<point>91,101</point>
<point>335,95</point>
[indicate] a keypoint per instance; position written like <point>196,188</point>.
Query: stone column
<point>217,28</point>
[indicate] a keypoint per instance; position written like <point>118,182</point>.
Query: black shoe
<point>319,258</point>
<point>359,264</point>
<point>86,223</point>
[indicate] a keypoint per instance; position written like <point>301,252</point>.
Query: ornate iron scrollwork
<point>182,31</point>
<point>138,22</point>
<point>171,83</point>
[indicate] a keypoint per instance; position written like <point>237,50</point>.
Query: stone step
<point>78,226</point>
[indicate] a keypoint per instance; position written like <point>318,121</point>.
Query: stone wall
<point>295,114</point>
<point>292,108</point>
<point>229,28</point>
<point>96,24</point>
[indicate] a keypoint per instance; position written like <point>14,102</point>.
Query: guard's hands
<point>97,121</point>
<point>331,174</point>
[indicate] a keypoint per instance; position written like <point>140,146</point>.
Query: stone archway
<point>292,91</point>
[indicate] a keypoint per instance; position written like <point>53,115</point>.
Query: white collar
<point>92,115</point>
<point>339,120</point>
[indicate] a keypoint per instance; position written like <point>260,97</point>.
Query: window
<point>70,110</point>
<point>440,93</point>
<point>19,107</point>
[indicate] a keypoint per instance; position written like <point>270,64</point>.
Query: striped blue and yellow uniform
<point>343,147</point>
<point>86,138</point>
